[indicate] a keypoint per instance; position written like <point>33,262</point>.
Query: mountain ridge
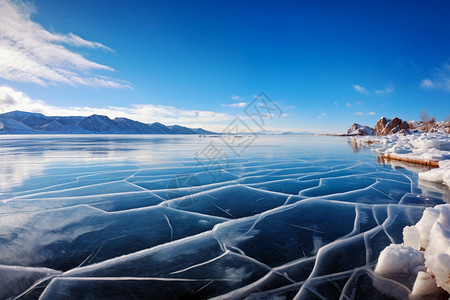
<point>21,122</point>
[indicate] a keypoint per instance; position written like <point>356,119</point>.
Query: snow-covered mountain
<point>20,122</point>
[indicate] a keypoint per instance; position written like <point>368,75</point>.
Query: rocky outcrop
<point>430,126</point>
<point>386,126</point>
<point>357,129</point>
<point>381,126</point>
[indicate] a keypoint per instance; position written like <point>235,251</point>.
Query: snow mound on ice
<point>399,259</point>
<point>416,147</point>
<point>442,174</point>
<point>430,238</point>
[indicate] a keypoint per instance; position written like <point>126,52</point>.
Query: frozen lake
<point>168,217</point>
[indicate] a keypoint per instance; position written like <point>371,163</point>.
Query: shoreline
<point>426,149</point>
<point>429,163</point>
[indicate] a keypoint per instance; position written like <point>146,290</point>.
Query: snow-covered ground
<point>426,148</point>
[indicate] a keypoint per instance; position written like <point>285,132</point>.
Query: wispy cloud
<point>389,88</point>
<point>348,104</point>
<point>321,116</point>
<point>439,80</point>
<point>360,113</point>
<point>360,89</point>
<point>11,99</point>
<point>239,104</point>
<point>30,53</point>
<point>427,84</point>
<point>335,103</point>
<point>236,97</point>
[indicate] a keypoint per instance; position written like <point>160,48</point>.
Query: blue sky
<point>326,64</point>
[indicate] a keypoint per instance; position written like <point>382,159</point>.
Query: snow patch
<point>396,259</point>
<point>425,148</point>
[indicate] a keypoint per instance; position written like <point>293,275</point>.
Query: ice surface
<point>16,280</point>
<point>365,284</point>
<point>105,217</point>
<point>66,238</point>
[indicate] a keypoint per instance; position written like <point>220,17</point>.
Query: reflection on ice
<point>131,216</point>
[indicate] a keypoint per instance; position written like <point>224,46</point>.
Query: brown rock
<point>357,129</point>
<point>385,126</point>
<point>381,126</point>
<point>396,122</point>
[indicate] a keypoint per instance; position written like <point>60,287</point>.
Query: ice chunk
<point>424,225</point>
<point>437,254</point>
<point>425,285</point>
<point>411,237</point>
<point>399,259</point>
<point>430,233</point>
<point>441,174</point>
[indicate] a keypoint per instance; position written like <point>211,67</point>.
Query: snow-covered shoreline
<point>431,149</point>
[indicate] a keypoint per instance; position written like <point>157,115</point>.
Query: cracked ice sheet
<point>66,238</point>
<point>280,221</point>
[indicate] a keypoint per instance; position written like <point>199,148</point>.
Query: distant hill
<point>21,122</point>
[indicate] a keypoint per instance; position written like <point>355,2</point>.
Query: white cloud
<point>348,104</point>
<point>236,97</point>
<point>387,90</point>
<point>439,80</point>
<point>360,89</point>
<point>239,104</point>
<point>360,113</point>
<point>336,104</point>
<point>322,115</point>
<point>11,99</point>
<point>427,84</point>
<point>30,53</point>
